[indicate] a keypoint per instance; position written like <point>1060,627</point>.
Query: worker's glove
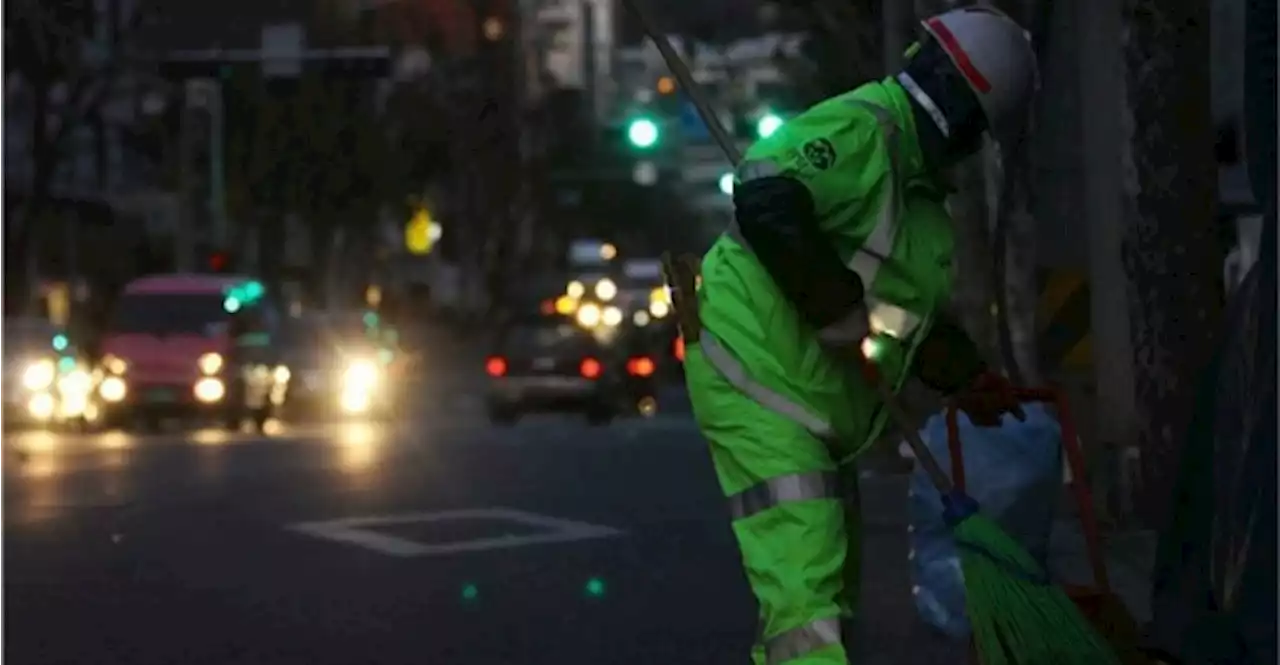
<point>987,399</point>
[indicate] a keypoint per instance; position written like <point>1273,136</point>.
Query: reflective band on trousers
<point>806,639</point>
<point>737,376</point>
<point>876,250</point>
<point>812,486</point>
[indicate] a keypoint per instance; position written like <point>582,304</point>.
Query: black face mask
<point>937,76</point>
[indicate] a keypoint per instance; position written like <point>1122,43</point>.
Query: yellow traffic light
<point>421,233</point>
<point>666,85</point>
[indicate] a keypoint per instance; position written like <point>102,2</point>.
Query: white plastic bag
<point>1014,473</point>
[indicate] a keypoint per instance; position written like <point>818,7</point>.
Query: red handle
<point>1079,482</point>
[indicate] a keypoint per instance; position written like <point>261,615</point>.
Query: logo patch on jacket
<point>820,153</point>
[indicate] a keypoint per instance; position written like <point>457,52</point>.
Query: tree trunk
<point>1015,249</point>
<point>1015,229</point>
<point>1169,251</point>
<point>973,292</point>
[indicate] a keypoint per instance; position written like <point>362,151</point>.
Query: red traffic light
<point>217,261</point>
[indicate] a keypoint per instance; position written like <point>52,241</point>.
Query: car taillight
<point>495,366</point>
<point>679,350</point>
<point>590,368</point>
<point>641,366</point>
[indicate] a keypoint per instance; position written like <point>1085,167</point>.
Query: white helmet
<point>994,55</point>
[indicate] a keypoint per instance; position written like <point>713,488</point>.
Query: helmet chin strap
<point>926,102</point>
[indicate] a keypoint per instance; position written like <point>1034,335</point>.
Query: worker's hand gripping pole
<point>897,412</point>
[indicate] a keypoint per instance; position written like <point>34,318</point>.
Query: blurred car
<point>336,365</point>
<point>47,381</point>
<point>191,346</point>
<point>551,363</point>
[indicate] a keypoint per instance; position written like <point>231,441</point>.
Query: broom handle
<point>910,430</point>
<point>1075,460</point>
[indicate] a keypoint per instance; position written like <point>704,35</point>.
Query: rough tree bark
<point>1014,238</point>
<point>973,288</point>
<point>1169,249</point>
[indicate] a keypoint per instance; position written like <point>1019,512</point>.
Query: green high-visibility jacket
<point>863,166</point>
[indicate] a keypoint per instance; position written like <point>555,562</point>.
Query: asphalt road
<point>435,540</point>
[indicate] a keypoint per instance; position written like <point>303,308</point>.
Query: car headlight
<point>589,315</point>
<point>42,406</point>
<point>659,309</point>
<point>75,382</point>
<point>112,389</point>
<point>361,374</point>
<point>210,363</point>
<point>39,375</point>
<point>282,374</point>
<point>611,316</point>
<point>114,365</point>
<point>606,290</point>
<point>209,390</point>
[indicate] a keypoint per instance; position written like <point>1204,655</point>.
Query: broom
<point>1017,614</point>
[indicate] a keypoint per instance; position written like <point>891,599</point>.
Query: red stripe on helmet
<point>948,41</point>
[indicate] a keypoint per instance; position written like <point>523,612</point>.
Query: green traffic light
<point>470,592</point>
<point>370,319</point>
<point>595,587</point>
<point>726,184</point>
<point>60,342</point>
<point>767,125</point>
<point>642,133</point>
<point>231,304</point>
<point>253,291</point>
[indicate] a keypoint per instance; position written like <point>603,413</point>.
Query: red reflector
<point>495,366</point>
<point>679,350</point>
<point>640,366</point>
<point>590,368</point>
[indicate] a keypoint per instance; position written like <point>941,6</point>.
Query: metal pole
<point>589,58</point>
<point>217,166</point>
<point>182,246</point>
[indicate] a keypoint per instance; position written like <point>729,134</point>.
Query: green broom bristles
<point>1018,616</point>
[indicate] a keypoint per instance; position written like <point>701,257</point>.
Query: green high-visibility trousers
<point>796,517</point>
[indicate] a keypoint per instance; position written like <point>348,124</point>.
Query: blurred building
<point>571,44</point>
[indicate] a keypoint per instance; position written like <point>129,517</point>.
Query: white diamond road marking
<point>362,531</point>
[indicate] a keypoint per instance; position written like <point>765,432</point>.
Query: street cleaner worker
<point>841,244</point>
